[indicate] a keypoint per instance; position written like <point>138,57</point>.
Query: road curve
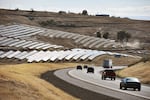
<point>77,78</point>
<point>78,92</point>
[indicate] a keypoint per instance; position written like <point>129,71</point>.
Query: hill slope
<point>140,70</point>
<point>76,23</point>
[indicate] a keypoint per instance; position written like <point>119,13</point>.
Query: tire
<point>139,89</point>
<point>104,78</point>
<point>114,78</point>
<point>120,87</point>
<point>125,88</point>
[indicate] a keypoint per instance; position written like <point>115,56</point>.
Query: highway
<point>93,82</point>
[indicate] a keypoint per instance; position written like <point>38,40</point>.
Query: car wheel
<point>139,89</point>
<point>125,88</point>
<point>120,87</point>
<point>114,78</point>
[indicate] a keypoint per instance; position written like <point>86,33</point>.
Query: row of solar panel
<point>11,42</point>
<point>68,55</point>
<point>19,31</point>
<point>25,31</point>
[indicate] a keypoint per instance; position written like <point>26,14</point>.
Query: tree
<point>128,36</point>
<point>106,35</point>
<point>17,9</point>
<point>123,36</point>
<point>32,10</point>
<point>62,12</point>
<point>98,34</point>
<point>84,12</point>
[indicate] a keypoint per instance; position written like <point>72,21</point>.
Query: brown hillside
<point>76,23</point>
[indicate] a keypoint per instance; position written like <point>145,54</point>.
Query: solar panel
<point>20,33</point>
<point>10,42</point>
<point>59,35</point>
<point>65,35</point>
<point>21,55</point>
<point>6,54</point>
<point>88,54</point>
<point>50,46</point>
<point>2,38</point>
<point>65,54</point>
<point>24,43</point>
<point>77,36</point>
<point>42,46</point>
<point>71,35</point>
<point>48,55</point>
<point>89,42</point>
<point>101,44</point>
<point>76,57</point>
<point>28,54</point>
<point>56,55</point>
<point>73,53</point>
<point>94,55</point>
<point>81,38</point>
<point>6,40</point>
<point>30,44</point>
<point>41,56</point>
<point>45,33</point>
<point>108,44</point>
<point>93,44</point>
<point>8,27</point>
<point>12,30</point>
<point>87,39</point>
<point>38,56</point>
<point>13,54</point>
<point>36,45</point>
<point>16,43</point>
<point>1,52</point>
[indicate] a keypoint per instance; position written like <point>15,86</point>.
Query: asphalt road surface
<point>93,82</point>
<point>78,92</point>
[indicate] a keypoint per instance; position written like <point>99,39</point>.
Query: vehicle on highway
<point>85,66</point>
<point>90,70</point>
<point>130,82</point>
<point>108,73</point>
<point>107,63</point>
<point>79,67</point>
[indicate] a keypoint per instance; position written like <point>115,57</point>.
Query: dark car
<point>79,67</point>
<point>90,70</point>
<point>108,73</point>
<point>85,66</point>
<point>130,82</point>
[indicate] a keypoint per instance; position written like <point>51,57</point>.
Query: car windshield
<point>132,80</point>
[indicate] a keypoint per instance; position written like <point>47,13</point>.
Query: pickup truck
<point>108,73</point>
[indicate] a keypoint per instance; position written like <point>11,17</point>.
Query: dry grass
<point>116,61</point>
<point>22,82</point>
<point>140,70</point>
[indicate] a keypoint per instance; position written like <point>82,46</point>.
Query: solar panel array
<point>21,36</point>
<point>53,56</point>
<point>22,31</point>
<point>83,40</point>
<point>12,42</point>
